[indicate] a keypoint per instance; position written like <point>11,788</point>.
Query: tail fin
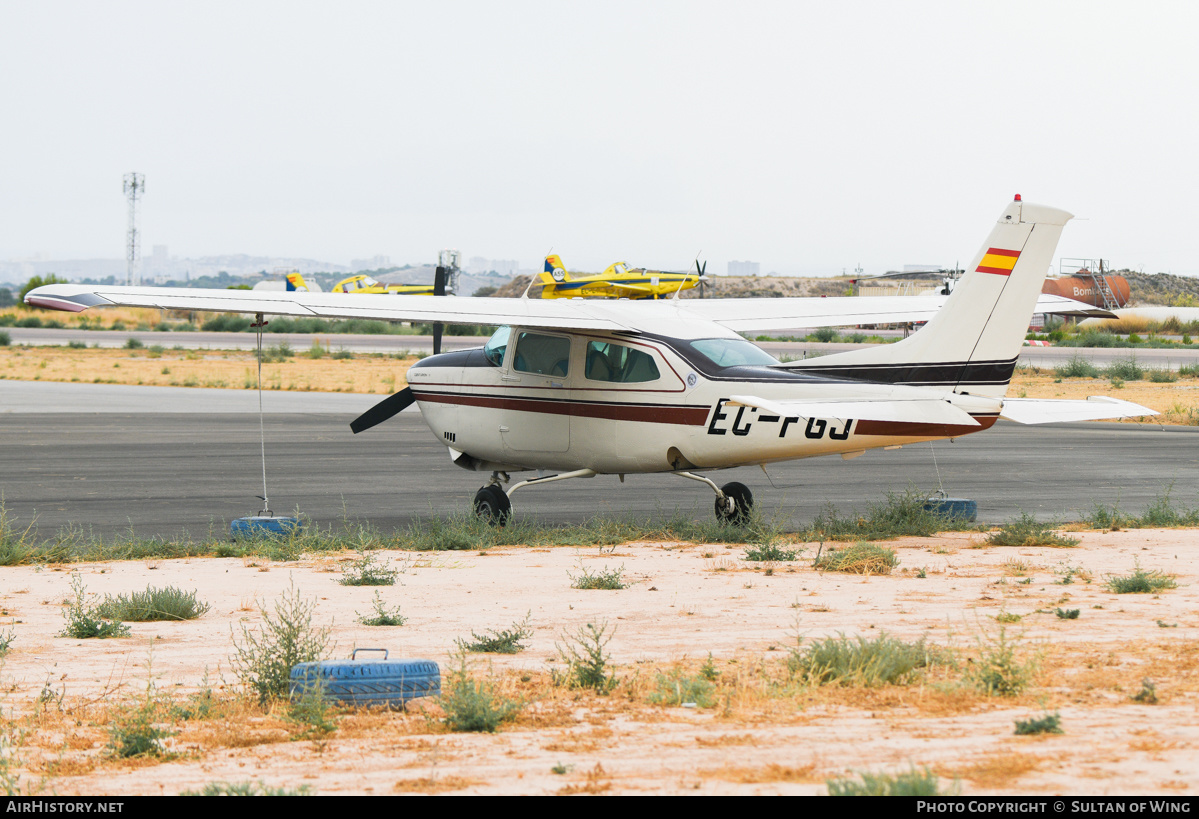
<point>296,282</point>
<point>554,271</point>
<point>972,343</point>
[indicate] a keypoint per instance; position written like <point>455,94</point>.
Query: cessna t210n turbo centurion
<point>575,388</point>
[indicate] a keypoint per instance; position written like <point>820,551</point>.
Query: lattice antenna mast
<point>135,187</point>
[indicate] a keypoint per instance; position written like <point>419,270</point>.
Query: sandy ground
<point>764,734</point>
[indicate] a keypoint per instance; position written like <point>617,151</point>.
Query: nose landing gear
<point>492,505</point>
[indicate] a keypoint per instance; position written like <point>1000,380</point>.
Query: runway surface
<point>163,460</point>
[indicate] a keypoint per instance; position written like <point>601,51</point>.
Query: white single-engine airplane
<point>574,388</point>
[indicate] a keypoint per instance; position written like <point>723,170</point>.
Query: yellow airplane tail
<point>554,271</point>
<point>296,282</point>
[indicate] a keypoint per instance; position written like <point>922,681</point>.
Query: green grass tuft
<point>609,579</point>
<point>368,571</point>
<point>153,604</point>
<point>1028,531</point>
<point>473,705</point>
<point>912,783</point>
<point>84,620</point>
<point>383,616</point>
<point>858,661</point>
<point>1048,724</point>
<point>507,641</point>
<point>1000,670</point>
<point>1140,582</point>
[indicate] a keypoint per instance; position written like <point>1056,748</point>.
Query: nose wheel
<point>492,505</point>
<point>734,503</point>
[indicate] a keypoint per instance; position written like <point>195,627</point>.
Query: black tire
<point>734,507</point>
<point>373,682</point>
<point>492,505</point>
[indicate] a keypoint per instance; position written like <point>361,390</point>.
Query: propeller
<point>383,410</point>
<point>438,327</point>
<point>701,270</point>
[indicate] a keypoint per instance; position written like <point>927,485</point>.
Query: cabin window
<point>619,363</point>
<point>496,346</point>
<point>733,352</point>
<point>542,355</point>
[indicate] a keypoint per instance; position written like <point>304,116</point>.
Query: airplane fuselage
<point>664,406</point>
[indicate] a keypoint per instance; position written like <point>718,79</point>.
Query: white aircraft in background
<point>575,388</point>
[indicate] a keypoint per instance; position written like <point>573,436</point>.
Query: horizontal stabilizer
<point>914,411</point>
<point>1057,410</point>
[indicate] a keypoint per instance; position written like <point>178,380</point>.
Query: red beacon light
<point>1018,197</point>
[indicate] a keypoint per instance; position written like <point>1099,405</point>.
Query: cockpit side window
<point>496,346</point>
<point>733,352</point>
<point>619,363</point>
<point>541,354</point>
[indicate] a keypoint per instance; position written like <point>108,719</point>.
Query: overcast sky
<point>807,136</point>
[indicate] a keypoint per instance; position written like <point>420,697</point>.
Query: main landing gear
<point>492,504</point>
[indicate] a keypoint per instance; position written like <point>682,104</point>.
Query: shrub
<point>153,604</point>
<point>1140,582</point>
<point>902,515</point>
<point>770,552</point>
<point>605,579</point>
<point>1125,369</point>
<point>1148,693</point>
<point>1048,724</point>
<point>1067,614</point>
<point>843,660</point>
<point>912,783</point>
<point>263,661</point>
<point>472,705</point>
<point>1077,367</point>
<point>1028,531</point>
<point>247,789</point>
<point>585,658</point>
<point>860,558</point>
<point>366,571</point>
<point>84,621</point>
<point>382,616</point>
<point>134,344</point>
<point>507,641</point>
<point>998,671</point>
<point>5,338</point>
<point>677,688</point>
<point>137,732</point>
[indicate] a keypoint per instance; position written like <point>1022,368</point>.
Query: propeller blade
<point>383,410</point>
<point>439,277</point>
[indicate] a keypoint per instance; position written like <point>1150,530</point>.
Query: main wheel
<point>735,505</point>
<point>492,505</point>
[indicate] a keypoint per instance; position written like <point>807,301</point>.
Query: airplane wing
<point>918,411</point>
<point>567,314</point>
<point>842,311</point>
<point>1059,410</point>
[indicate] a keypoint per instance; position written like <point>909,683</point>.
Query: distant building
<point>744,268</point>
<point>480,265</point>
<point>373,263</point>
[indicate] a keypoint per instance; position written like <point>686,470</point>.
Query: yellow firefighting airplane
<point>617,281</point>
<point>363,284</point>
<point>581,387</point>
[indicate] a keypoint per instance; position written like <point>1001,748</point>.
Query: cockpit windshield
<point>733,352</point>
<point>496,346</point>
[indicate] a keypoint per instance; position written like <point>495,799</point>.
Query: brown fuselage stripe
<point>651,413</point>
<point>908,429</point>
